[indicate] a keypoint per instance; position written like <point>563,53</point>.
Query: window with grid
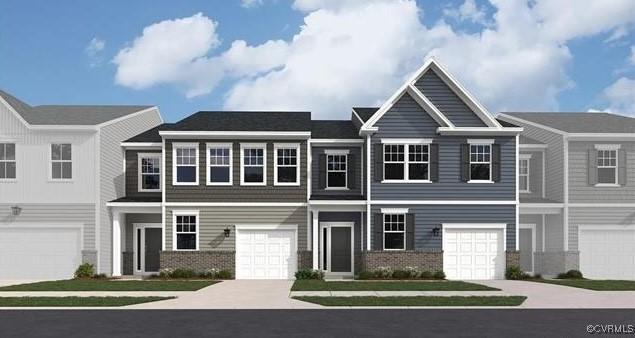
<point>186,232</point>
<point>418,162</point>
<point>523,175</point>
<point>150,172</point>
<point>220,164</point>
<point>61,161</point>
<point>7,161</point>
<point>186,164</point>
<point>607,166</point>
<point>480,162</point>
<point>254,165</point>
<point>394,231</point>
<point>336,171</point>
<point>394,162</point>
<point>287,165</point>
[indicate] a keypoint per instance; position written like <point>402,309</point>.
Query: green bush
<point>309,274</point>
<point>401,274</point>
<point>85,270</point>
<point>515,273</point>
<point>223,274</point>
<point>537,276</point>
<point>192,274</point>
<point>438,275</point>
<point>100,276</point>
<point>425,275</point>
<point>571,274</point>
<point>366,275</point>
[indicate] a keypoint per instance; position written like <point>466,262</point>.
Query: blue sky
<point>318,55</point>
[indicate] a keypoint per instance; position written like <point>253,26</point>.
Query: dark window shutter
<point>621,167</point>
<point>496,162</point>
<point>434,162</point>
<point>322,171</point>
<point>410,231</point>
<point>379,162</point>
<point>592,167</point>
<point>378,232</point>
<point>465,162</point>
<point>350,171</point>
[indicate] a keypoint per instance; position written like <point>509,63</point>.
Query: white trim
<point>394,210</point>
<point>624,227</point>
<point>526,146</point>
<point>328,225</point>
<point>490,163</point>
<point>544,179</point>
<point>141,144</point>
<point>15,160</point>
<point>15,112</point>
<point>357,116</point>
<point>140,156</point>
<point>175,146</point>
<point>125,117</point>
<point>98,205</point>
<point>524,157</point>
<point>198,227</point>
<point>50,163</point>
<point>229,146</point>
<point>609,148</point>
<point>336,207</point>
<point>234,204</point>
<point>479,131</point>
<point>517,208</point>
<point>315,230</point>
<point>368,195</point>
<point>602,205</point>
<point>427,105</point>
<point>506,118</point>
<point>445,202</point>
<point>406,140</point>
<point>331,140</point>
<point>309,187</point>
<point>478,141</point>
<point>544,224</point>
<point>336,151</point>
<point>236,134</point>
<point>163,180</point>
<point>565,211</point>
<point>262,146</point>
<point>600,136</point>
<point>406,161</point>
<point>135,247</point>
<point>298,163</point>
<point>266,226</point>
<point>533,244</point>
<point>133,204</point>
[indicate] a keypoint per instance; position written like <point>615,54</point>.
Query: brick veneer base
<point>305,260</point>
<point>424,260</point>
<point>512,258</point>
<point>198,260</point>
<point>128,262</point>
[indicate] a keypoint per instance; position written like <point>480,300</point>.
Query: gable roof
<point>69,115</point>
<point>149,136</point>
<point>332,129</point>
<point>365,113</point>
<point>243,121</point>
<point>579,122</point>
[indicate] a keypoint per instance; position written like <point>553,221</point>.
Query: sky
<point>323,56</point>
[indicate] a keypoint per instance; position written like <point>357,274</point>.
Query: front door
<point>147,239</point>
<point>337,248</point>
<point>526,245</point>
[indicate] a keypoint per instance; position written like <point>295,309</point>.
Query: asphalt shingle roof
<point>243,121</point>
<point>333,129</point>
<point>365,112</point>
<point>150,135</point>
<point>581,122</point>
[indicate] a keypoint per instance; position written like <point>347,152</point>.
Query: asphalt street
<point>312,323</point>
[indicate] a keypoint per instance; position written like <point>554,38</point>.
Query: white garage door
<point>39,252</point>
<point>473,253</point>
<point>607,254</point>
<point>265,254</point>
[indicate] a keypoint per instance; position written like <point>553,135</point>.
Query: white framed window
<point>149,172</point>
<point>185,235</point>
<point>406,160</point>
<point>253,164</point>
<point>219,164</point>
<point>8,163</point>
<point>607,164</point>
<point>61,162</point>
<point>286,170</point>
<point>394,162</point>
<point>523,173</point>
<point>394,231</point>
<point>336,170</point>
<point>185,163</point>
<point>480,162</point>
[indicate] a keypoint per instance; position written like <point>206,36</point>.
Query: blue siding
<point>356,152</point>
<point>442,96</point>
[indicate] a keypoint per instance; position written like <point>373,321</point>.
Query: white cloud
<point>250,3</point>
<point>621,96</point>
<point>93,51</point>
<point>632,58</point>
<point>467,11</point>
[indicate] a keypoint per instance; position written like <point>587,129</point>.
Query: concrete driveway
<point>546,296</point>
<point>236,294</point>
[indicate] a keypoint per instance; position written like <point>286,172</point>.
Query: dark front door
<point>341,249</point>
<point>152,248</point>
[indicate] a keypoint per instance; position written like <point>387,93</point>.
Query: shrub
<point>223,274</point>
<point>571,274</point>
<point>309,274</point>
<point>85,270</point>
<point>366,275</point>
<point>438,275</point>
<point>383,273</point>
<point>425,275</point>
<point>537,276</point>
<point>515,273</point>
<point>100,276</point>
<point>401,274</point>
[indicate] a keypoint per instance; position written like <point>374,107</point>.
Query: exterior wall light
<point>436,231</point>
<point>16,210</point>
<point>227,231</point>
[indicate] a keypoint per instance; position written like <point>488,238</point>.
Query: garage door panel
<point>607,253</point>
<point>265,254</point>
<point>479,255</point>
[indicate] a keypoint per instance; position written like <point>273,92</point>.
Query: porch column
<point>315,239</point>
<point>117,222</point>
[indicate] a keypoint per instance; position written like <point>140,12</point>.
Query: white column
<point>315,239</point>
<point>117,222</point>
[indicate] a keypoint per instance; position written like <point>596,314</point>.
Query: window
<point>394,231</point>
<point>149,172</point>
<point>219,164</point>
<point>407,162</point>
<point>186,231</point>
<point>523,174</point>
<point>7,161</point>
<point>336,167</point>
<point>185,164</point>
<point>607,166</point>
<point>287,168</point>
<point>418,160</point>
<point>394,162</point>
<point>253,164</point>
<point>480,162</point>
<point>61,161</point>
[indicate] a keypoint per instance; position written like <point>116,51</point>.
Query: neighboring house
<point>59,165</point>
<point>577,193</point>
<point>427,180</point>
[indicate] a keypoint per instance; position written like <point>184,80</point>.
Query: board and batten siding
<point>213,220</point>
<point>597,216</point>
<point>111,176</point>
<point>428,217</point>
<point>446,100</point>
<point>406,119</point>
<point>132,174</point>
<point>579,188</point>
<point>235,192</point>
<point>535,175</point>
<point>355,152</point>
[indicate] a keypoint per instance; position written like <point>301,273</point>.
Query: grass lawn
<point>75,301</point>
<point>111,285</point>
<point>591,284</point>
<point>318,285</point>
<point>416,301</point>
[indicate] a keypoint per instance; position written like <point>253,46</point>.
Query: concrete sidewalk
<point>397,293</point>
<point>94,293</point>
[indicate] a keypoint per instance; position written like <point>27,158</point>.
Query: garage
<point>265,253</point>
<point>39,252</point>
<point>474,251</point>
<point>607,252</point>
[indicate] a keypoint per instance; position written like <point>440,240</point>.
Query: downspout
<point>368,192</point>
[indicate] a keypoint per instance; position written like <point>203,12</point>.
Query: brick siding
<point>198,260</point>
<point>423,260</point>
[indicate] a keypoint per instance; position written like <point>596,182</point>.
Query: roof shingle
<point>243,121</point>
<point>581,122</point>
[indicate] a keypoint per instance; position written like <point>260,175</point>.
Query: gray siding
<point>442,96</point>
<point>535,175</point>
<point>427,217</point>
<point>235,193</point>
<point>132,174</point>
<point>554,233</point>
<point>579,188</point>
<point>213,221</point>
<point>596,216</point>
<point>356,152</point>
<point>537,220</point>
<point>131,219</point>
<point>406,119</point>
